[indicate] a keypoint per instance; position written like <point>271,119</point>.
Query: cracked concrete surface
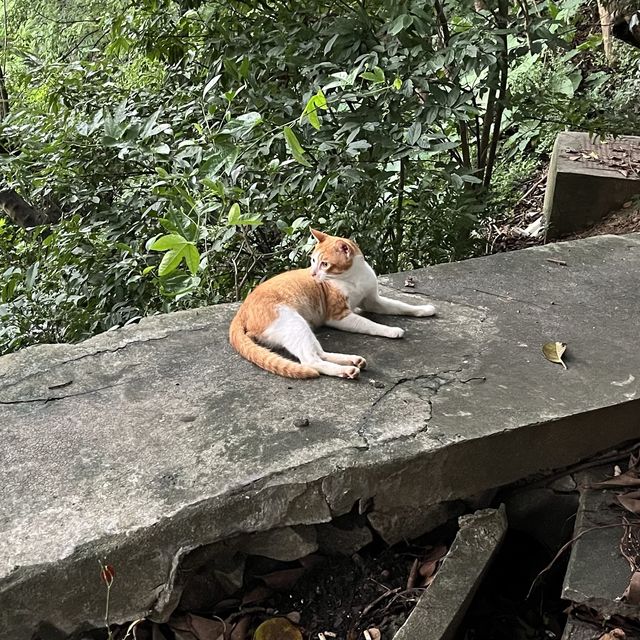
<point>144,442</point>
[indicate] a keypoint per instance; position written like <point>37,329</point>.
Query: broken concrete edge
<point>577,629</point>
<point>598,573</point>
<point>295,499</point>
<point>25,363</point>
<point>442,606</point>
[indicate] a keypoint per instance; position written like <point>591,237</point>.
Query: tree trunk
<point>606,24</point>
<point>612,11</point>
<point>4,97</point>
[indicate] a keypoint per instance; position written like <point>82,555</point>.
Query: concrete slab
<point>442,606</point>
<point>598,573</point>
<point>587,179</point>
<point>142,444</point>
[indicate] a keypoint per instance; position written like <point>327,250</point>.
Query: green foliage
<point>182,150</point>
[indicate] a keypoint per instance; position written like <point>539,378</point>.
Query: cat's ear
<point>318,235</point>
<point>343,247</point>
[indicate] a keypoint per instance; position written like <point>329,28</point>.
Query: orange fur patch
<point>316,301</point>
<point>337,252</point>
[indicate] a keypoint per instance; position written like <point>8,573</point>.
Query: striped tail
<point>261,356</point>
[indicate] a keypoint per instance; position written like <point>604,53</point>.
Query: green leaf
<point>177,249</point>
<point>170,262</point>
<point>244,68</point>
<point>235,217</point>
<point>397,84</point>
<point>563,85</point>
<point>413,133</point>
<point>321,100</point>
<point>456,180</point>
<point>329,45</point>
<point>212,83</point>
<point>215,186</point>
<point>31,275</point>
<point>376,75</point>
<point>317,101</point>
<point>250,119</point>
<point>192,258</point>
<point>147,129</point>
<point>178,284</point>
<point>295,147</point>
<point>234,214</point>
<point>400,23</point>
<point>169,241</point>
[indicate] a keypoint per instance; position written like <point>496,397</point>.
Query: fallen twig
<point>380,598</point>
<point>568,544</point>
<point>413,574</point>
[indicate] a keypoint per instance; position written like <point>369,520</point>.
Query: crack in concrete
<point>53,398</point>
<point>114,350</point>
<point>437,380</point>
<point>98,352</point>
<point>413,292</point>
<point>509,298</point>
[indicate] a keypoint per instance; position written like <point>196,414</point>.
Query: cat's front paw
<point>395,332</point>
<point>425,310</point>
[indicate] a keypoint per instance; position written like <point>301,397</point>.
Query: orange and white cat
<point>282,311</point>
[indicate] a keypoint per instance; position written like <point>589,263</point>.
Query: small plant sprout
<point>107,575</point>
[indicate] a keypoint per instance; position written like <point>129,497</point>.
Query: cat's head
<point>332,256</point>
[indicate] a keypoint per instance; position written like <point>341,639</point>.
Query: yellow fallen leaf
<point>277,629</point>
<point>553,352</point>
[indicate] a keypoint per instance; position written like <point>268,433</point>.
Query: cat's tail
<point>263,357</point>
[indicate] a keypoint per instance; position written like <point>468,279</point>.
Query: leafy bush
<point>184,154</point>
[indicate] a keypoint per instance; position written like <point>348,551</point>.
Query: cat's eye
<point>324,265</point>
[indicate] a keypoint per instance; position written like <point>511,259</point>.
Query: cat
<point>282,311</point>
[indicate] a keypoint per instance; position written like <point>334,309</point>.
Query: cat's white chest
<point>358,283</point>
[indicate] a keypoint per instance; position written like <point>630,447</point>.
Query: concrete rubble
<point>598,572</point>
<point>442,606</point>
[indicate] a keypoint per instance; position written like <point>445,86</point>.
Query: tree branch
<point>503,59</point>
<point>399,231</point>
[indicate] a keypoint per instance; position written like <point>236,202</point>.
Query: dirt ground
<point>625,220</point>
<point>523,227</point>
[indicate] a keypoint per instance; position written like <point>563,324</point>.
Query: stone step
<point>598,573</point>
<point>141,445</point>
<point>588,178</point>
